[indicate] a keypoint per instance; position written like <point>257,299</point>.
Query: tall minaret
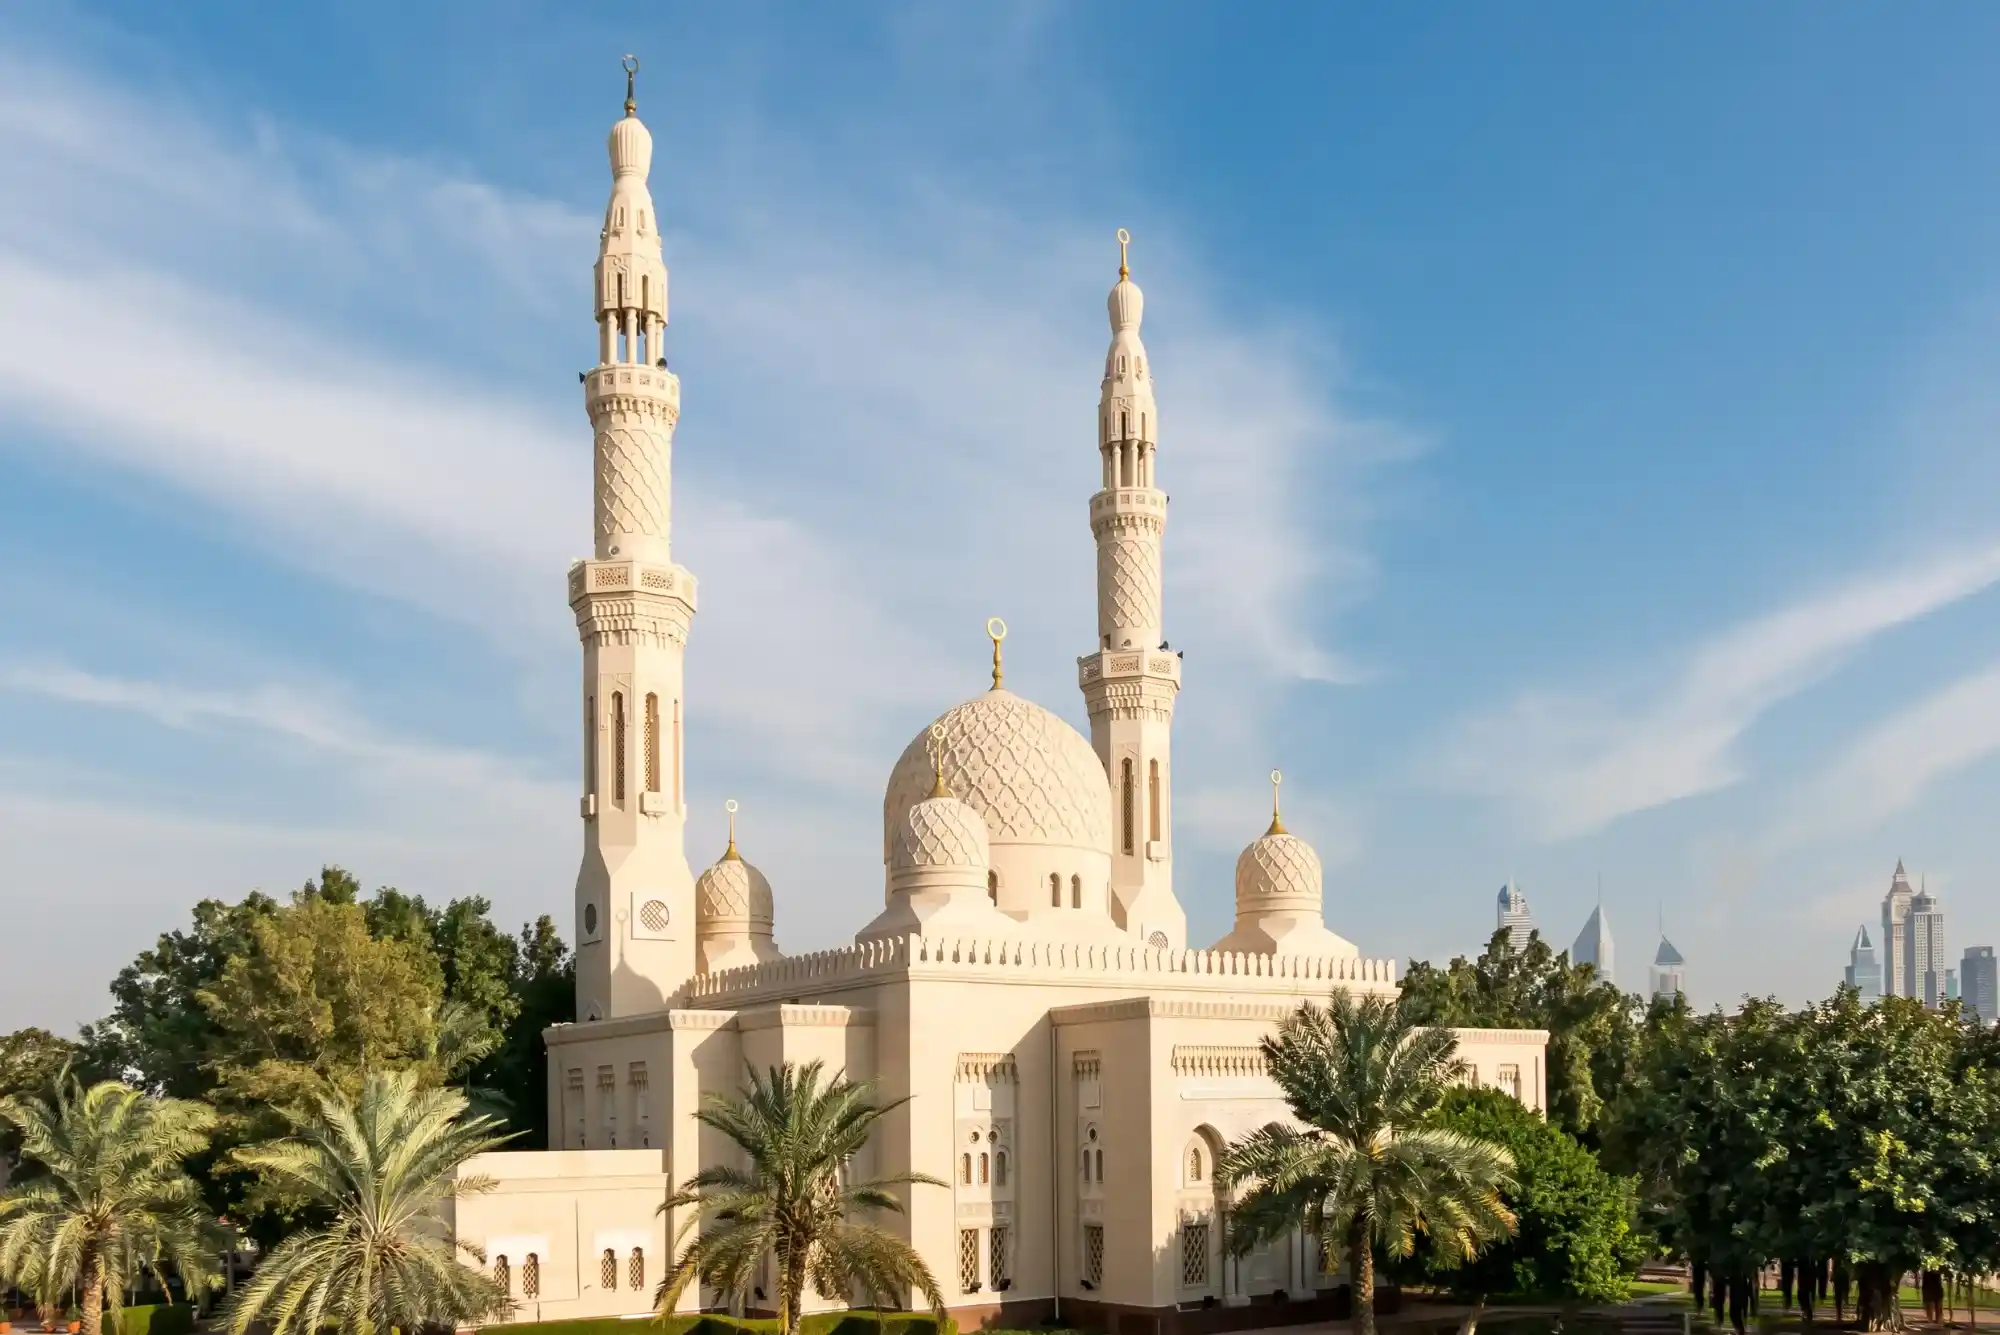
<point>1131,678</point>
<point>635,911</point>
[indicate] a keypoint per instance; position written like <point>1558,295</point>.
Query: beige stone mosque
<point>1066,1059</point>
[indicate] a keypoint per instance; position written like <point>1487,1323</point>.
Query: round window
<point>1158,941</point>
<point>590,920</point>
<point>653,915</point>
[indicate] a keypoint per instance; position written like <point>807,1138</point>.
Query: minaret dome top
<point>1127,305</point>
<point>631,143</point>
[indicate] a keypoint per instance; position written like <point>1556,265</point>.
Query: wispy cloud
<point>1572,761</point>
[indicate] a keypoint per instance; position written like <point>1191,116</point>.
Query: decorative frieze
<point>987,1066</point>
<point>1212,1061</point>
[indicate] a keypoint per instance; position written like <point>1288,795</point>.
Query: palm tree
<point>383,1165</point>
<point>794,1201</point>
<point>1366,1167</point>
<point>106,1198</point>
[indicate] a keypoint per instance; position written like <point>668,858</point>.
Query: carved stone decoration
<point>634,491</point>
<point>1278,868</point>
<point>1129,583</point>
<point>940,832</point>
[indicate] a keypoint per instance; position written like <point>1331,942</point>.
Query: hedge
<point>716,1323</point>
<point>152,1319</point>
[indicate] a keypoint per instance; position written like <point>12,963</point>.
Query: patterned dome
<point>1278,871</point>
<point>1032,776</point>
<point>940,832</point>
<point>733,894</point>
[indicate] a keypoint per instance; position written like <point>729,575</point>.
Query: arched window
<point>1124,425</point>
<point>1000,1168</point>
<point>1076,892</point>
<point>993,886</point>
<point>1055,891</point>
<point>1121,363</point>
<point>984,1167</point>
<point>1125,801</point>
<point>965,1170</point>
<point>531,1276</point>
<point>635,1271</point>
<point>1100,1165</point>
<point>502,1276</point>
<point>618,747</point>
<point>607,1269</point>
<point>652,743</point>
<point>1152,799</point>
<point>1194,1163</point>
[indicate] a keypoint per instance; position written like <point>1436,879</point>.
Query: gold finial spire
<point>730,854</point>
<point>1277,825</point>
<point>996,630</point>
<point>937,761</point>
<point>631,64</point>
<point>1124,240</point>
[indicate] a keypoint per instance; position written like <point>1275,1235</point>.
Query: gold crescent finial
<point>996,630</point>
<point>631,64</point>
<point>1124,240</point>
<point>1277,825</point>
<point>937,761</point>
<point>730,854</point>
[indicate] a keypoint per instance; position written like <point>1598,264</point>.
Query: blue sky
<point>1580,425</point>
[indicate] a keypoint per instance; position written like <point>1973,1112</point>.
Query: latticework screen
<point>1194,1253</point>
<point>1093,1254</point>
<point>968,1260</point>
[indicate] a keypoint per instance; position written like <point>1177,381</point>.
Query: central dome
<point>1032,777</point>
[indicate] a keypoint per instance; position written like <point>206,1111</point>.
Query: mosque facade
<point>1056,1051</point>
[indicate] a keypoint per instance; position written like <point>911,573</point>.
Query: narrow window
<point>618,749</point>
<point>983,1166</point>
<point>1076,892</point>
<point>531,1276</point>
<point>1121,364</point>
<point>996,1258</point>
<point>652,743</point>
<point>677,755</point>
<point>502,1276</point>
<point>1055,891</point>
<point>1194,1253</point>
<point>1194,1163</point>
<point>1125,800</point>
<point>590,744</point>
<point>1142,426</point>
<point>968,1260</point>
<point>1100,1165</point>
<point>607,1270</point>
<point>965,1170</point>
<point>635,1275</point>
<point>1000,1168</point>
<point>1153,799</point>
<point>993,886</point>
<point>1124,422</point>
<point>1086,1165</point>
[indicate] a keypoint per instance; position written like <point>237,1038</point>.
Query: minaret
<point>635,909</point>
<point>1131,678</point>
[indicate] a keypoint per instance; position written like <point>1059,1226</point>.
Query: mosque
<point>1059,1053</point>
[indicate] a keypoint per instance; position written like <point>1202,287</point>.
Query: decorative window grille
<point>1125,796</point>
<point>635,1270</point>
<point>1152,799</point>
<point>965,1170</point>
<point>607,1269</point>
<point>1194,1163</point>
<point>1194,1253</point>
<point>983,1170</point>
<point>618,746</point>
<point>968,1260</point>
<point>531,1276</point>
<point>502,1276</point>
<point>652,743</point>
<point>996,1258</point>
<point>1000,1168</point>
<point>1093,1254</point>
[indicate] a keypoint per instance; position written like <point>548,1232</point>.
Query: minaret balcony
<point>645,581</point>
<point>1160,666</point>
<point>1125,500</point>
<point>639,387</point>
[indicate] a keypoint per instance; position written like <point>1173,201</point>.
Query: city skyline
<point>1458,353</point>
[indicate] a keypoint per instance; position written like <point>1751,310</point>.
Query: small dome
<point>1278,871</point>
<point>1127,305</point>
<point>940,832</point>
<point>734,894</point>
<point>631,148</point>
<point>1032,777</point>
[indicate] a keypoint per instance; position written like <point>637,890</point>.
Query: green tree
<point>1368,1166</point>
<point>543,984</point>
<point>106,1197</point>
<point>793,1201</point>
<point>1591,1023</point>
<point>31,1063</point>
<point>1574,1237</point>
<point>382,1166</point>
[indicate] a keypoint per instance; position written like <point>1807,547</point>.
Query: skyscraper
<point>1979,983</point>
<point>1668,976</point>
<point>1595,947</point>
<point>1895,908</point>
<point>1864,973</point>
<point>1923,955</point>
<point>1512,916</point>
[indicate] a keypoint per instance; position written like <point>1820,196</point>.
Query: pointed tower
<point>635,910</point>
<point>1130,679</point>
